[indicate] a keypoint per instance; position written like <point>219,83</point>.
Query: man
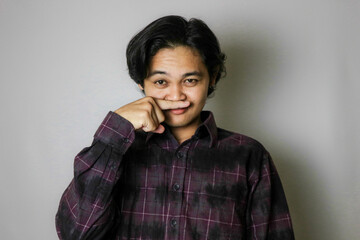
<point>159,168</point>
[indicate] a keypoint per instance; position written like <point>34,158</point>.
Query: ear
<point>212,82</point>
<point>213,78</point>
<point>141,87</point>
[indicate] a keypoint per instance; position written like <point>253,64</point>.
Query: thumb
<point>160,129</point>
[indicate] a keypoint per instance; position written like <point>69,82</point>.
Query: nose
<point>175,93</point>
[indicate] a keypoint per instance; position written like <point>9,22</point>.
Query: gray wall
<point>291,84</point>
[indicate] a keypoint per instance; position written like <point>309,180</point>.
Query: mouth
<point>178,111</point>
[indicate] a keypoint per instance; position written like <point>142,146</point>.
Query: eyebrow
<point>194,73</point>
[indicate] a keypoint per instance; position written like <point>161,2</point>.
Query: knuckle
<point>149,99</point>
<point>148,106</point>
<point>144,115</point>
<point>147,114</point>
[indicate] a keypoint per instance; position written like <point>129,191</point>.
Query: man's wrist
<point>116,131</point>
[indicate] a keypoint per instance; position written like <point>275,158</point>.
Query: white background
<point>292,83</point>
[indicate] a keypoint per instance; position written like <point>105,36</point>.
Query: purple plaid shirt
<point>135,185</point>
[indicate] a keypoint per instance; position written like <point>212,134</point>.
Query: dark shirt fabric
<point>134,185</point>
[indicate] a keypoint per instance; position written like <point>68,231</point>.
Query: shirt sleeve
<point>86,209</point>
<point>268,215</point>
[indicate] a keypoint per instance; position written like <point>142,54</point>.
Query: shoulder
<point>243,149</point>
<point>230,138</point>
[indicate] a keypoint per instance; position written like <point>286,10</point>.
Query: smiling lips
<point>178,111</point>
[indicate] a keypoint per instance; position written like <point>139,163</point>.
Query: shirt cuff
<point>116,131</point>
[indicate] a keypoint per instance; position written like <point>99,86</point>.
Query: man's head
<point>177,60</point>
<point>171,32</point>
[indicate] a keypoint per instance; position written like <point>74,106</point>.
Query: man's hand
<point>147,113</point>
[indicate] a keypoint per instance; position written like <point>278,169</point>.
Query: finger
<point>160,117</point>
<point>154,117</point>
<point>166,104</point>
<point>155,109</point>
<point>149,126</point>
<point>160,129</point>
<point>146,118</point>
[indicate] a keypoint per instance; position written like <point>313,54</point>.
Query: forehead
<point>179,58</point>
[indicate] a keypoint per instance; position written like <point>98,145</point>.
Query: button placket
<point>173,223</point>
<point>176,187</point>
<point>113,165</point>
<point>179,155</point>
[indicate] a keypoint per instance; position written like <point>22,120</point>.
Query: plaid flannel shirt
<point>134,185</point>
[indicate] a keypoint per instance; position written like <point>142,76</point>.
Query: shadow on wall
<point>253,74</point>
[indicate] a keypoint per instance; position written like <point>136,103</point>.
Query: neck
<point>184,133</point>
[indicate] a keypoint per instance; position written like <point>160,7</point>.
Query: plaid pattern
<point>134,185</point>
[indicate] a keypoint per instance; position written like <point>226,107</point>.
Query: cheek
<point>155,93</point>
<point>198,97</point>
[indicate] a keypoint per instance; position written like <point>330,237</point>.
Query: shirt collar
<point>207,128</point>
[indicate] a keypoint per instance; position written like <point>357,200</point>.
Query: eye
<point>160,82</point>
<point>191,81</point>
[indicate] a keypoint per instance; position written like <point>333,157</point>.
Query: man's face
<point>179,74</point>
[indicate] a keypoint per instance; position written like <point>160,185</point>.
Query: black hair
<point>169,32</point>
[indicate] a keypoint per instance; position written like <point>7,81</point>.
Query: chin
<point>180,121</point>
<point>176,124</point>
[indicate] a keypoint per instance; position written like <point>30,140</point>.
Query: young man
<point>159,168</point>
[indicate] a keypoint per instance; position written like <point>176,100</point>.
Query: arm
<point>86,209</point>
<point>268,214</point>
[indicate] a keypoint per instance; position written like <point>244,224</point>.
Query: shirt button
<point>173,223</point>
<point>176,187</point>
<point>179,155</point>
<point>126,140</point>
<point>113,166</point>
